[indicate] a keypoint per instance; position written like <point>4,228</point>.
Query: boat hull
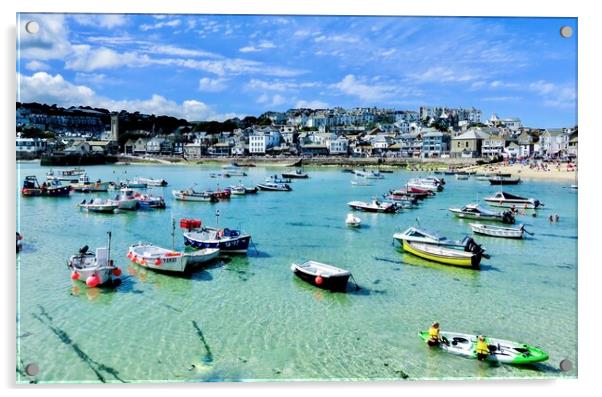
<point>172,262</point>
<point>486,230</point>
<point>237,245</point>
<point>511,203</point>
<point>501,351</point>
<point>467,261</point>
<point>336,283</point>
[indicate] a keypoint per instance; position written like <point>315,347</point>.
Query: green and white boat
<point>502,351</point>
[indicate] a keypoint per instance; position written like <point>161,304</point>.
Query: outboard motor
<point>537,204</point>
<point>508,217</point>
<point>83,250</point>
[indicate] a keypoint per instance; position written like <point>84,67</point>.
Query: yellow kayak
<point>443,255</point>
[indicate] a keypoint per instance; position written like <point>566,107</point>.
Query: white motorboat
<point>424,184</point>
<point>374,206</point>
<point>70,175</point>
<point>420,235</point>
<point>499,231</point>
<point>157,258</point>
<point>95,269</point>
<point>368,174</point>
<point>84,185</point>
<point>475,211</point>
<point>353,221</point>
<point>275,187</point>
<point>99,205</point>
<point>133,184</point>
<point>126,200</point>
<point>507,200</point>
<point>359,182</point>
<point>152,182</point>
<point>191,195</point>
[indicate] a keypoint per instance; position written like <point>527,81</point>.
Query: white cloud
<point>171,23</point>
<point>85,58</point>
<point>264,45</point>
<point>311,104</point>
<point>36,66</point>
<point>212,85</point>
<point>274,100</point>
<point>105,20</point>
<point>45,88</point>
<point>440,74</point>
<point>50,42</point>
<point>337,38</point>
<point>179,51</point>
<point>366,91</point>
<point>555,95</point>
<point>279,85</point>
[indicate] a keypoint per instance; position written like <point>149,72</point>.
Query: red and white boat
<point>162,259</point>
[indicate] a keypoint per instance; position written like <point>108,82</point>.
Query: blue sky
<point>215,67</point>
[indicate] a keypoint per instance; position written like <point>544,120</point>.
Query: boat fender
<point>319,280</point>
<point>74,276</point>
<point>92,281</point>
<point>158,261</point>
<point>117,272</point>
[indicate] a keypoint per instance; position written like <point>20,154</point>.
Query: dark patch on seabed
<point>399,372</point>
<point>95,366</point>
<point>388,260</point>
<point>208,357</point>
<point>558,235</point>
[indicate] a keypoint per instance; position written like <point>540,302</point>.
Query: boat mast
<point>173,234</point>
<point>109,253</point>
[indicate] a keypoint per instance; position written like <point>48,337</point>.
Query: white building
<point>33,146</point>
<point>338,146</point>
<point>263,140</point>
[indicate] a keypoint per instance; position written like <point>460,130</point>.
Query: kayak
<point>502,351</point>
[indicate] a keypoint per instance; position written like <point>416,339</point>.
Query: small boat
<point>482,178</point>
<point>275,187</point>
<point>227,240</point>
<point>360,182</point>
<point>574,187</point>
<point>500,351</point>
<point>84,185</point>
<point>507,200</point>
<point>423,184</point>
<point>276,179</point>
<point>368,174</point>
<point>420,235</point>
<point>127,200</point>
<point>353,221</point>
<point>238,190</point>
<point>475,211</point>
<point>401,198</point>
<point>133,184</point>
<point>503,180</point>
<point>251,190</point>
<point>374,206</point>
<point>233,170</point>
<point>417,193</point>
<point>322,275</point>
<point>221,194</point>
<point>69,175</point>
<point>147,201</point>
<point>158,258</point>
<point>498,231</point>
<point>152,182</point>
<point>53,188</point>
<point>444,255</point>
<point>385,171</point>
<point>298,174</point>
<point>99,205</point>
<point>191,195</point>
<point>95,269</point>
<point>462,177</point>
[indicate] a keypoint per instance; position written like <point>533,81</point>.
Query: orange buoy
<point>92,281</point>
<point>74,276</point>
<point>319,280</point>
<point>117,272</point>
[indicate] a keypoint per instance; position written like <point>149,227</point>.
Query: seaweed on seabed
<point>95,366</point>
<point>208,355</point>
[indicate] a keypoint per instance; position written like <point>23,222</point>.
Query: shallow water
<point>249,318</point>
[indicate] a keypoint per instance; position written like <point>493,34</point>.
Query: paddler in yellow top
<point>482,348</point>
<point>434,337</point>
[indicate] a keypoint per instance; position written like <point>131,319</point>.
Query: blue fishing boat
<point>227,240</point>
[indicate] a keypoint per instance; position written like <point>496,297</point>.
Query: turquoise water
<point>249,318</point>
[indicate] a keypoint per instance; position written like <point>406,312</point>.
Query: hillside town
<point>426,133</point>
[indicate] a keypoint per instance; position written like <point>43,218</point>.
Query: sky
<point>210,67</point>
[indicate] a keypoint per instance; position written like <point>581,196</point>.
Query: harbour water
<point>248,318</point>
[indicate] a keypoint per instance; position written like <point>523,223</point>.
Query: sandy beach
<point>552,171</point>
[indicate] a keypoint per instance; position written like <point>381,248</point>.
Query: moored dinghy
<point>95,269</point>
<point>157,258</point>
<point>98,205</point>
<point>322,275</point>
<point>475,211</point>
<point>227,240</point>
<point>499,231</point>
<point>353,221</point>
<point>191,195</point>
<point>446,256</point>
<point>374,206</point>
<point>502,351</point>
